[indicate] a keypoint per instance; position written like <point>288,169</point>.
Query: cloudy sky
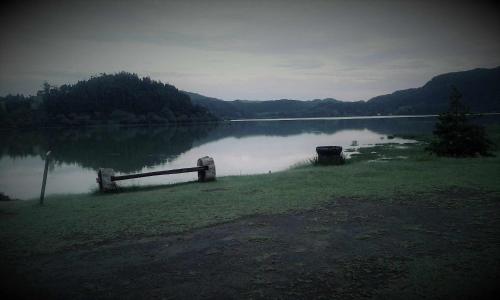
<point>349,50</point>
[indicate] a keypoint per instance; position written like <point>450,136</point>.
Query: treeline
<point>284,108</point>
<point>125,98</point>
<point>21,111</point>
<point>121,98</point>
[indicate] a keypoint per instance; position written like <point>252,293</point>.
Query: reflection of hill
<point>389,126</point>
<point>123,149</point>
<point>286,128</point>
<point>131,149</point>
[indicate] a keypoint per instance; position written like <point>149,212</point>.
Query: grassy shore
<point>383,173</point>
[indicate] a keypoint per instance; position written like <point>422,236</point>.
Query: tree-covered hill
<point>480,89</point>
<point>121,98</point>
<point>284,108</point>
<point>125,98</point>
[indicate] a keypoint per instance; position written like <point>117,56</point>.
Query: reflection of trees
<point>286,128</point>
<point>22,143</point>
<point>123,149</point>
<point>131,149</point>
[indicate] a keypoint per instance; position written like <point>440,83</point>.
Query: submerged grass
<point>381,173</point>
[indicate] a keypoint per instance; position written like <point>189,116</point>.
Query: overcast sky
<point>348,50</point>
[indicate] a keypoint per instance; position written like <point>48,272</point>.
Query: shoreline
<point>376,226</point>
<point>380,172</point>
<point>222,121</point>
<point>355,117</point>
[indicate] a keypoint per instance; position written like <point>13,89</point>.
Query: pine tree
<point>456,136</point>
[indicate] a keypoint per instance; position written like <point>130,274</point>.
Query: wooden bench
<point>205,167</point>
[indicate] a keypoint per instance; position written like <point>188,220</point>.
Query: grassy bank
<point>382,173</point>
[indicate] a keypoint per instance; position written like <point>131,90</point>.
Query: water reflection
<point>237,147</point>
<point>287,128</point>
<point>123,149</point>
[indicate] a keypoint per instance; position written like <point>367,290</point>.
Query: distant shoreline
<point>352,117</point>
<point>98,125</point>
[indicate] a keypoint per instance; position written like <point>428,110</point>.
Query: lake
<point>238,148</point>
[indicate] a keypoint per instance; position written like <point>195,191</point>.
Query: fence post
<point>45,170</point>
<point>209,173</point>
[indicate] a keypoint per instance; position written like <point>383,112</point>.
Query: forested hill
<point>124,98</point>
<point>121,98</point>
<point>480,89</point>
<point>283,108</point>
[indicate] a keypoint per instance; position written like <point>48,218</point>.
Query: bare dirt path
<point>444,246</point>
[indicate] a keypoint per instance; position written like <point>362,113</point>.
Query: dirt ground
<point>443,246</point>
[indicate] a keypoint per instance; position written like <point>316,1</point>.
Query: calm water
<point>238,148</point>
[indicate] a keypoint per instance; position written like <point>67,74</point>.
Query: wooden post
<point>105,179</point>
<point>207,174</point>
<point>45,171</point>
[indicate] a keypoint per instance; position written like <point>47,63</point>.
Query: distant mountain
<point>480,89</point>
<point>283,108</point>
<point>124,98</point>
<point>222,109</point>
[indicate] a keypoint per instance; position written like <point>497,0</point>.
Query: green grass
<point>67,221</point>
